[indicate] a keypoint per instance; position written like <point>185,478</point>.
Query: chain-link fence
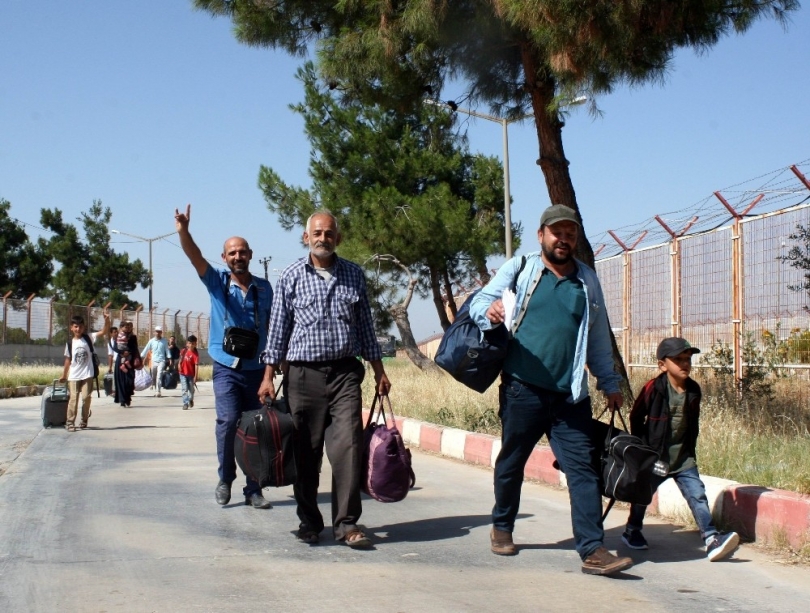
<point>47,323</point>
<point>728,300</point>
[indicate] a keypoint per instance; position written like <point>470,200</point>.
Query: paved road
<point>121,517</point>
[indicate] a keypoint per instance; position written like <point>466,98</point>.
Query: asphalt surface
<point>122,517</point>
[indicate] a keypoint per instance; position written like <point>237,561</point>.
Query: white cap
<point>158,329</point>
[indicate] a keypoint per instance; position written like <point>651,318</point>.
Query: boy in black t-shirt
<point>665,416</point>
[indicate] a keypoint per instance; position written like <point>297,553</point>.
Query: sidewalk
<point>121,517</point>
<point>759,514</point>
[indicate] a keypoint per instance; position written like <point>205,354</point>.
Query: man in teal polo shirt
<point>560,327</point>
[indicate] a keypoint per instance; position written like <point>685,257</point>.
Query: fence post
<point>90,315</point>
<point>187,316</point>
<point>5,314</point>
<point>737,279</point>
<point>675,275</point>
<point>138,320</point>
<point>627,292</point>
<point>50,320</point>
<point>28,318</point>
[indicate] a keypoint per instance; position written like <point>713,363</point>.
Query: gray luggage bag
<point>54,404</point>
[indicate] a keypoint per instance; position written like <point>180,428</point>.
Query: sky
<point>150,105</point>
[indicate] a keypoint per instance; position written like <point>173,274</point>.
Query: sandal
<point>70,428</point>
<point>310,537</point>
<point>357,540</point>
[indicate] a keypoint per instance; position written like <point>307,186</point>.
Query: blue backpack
<point>472,356</point>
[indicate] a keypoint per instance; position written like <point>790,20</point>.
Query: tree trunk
<point>400,315</point>
<point>448,291</point>
<point>554,166</point>
<point>438,302</point>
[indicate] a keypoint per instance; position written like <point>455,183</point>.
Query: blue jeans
<point>235,391</point>
<point>694,492</point>
<point>527,413</point>
<point>187,386</point>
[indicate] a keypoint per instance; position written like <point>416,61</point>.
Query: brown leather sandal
<point>357,540</point>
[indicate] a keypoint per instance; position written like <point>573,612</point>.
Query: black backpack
<point>472,356</point>
<point>264,445</point>
<point>94,357</point>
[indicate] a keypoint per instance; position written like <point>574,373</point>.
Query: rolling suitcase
<point>169,379</point>
<point>108,384</point>
<point>54,404</point>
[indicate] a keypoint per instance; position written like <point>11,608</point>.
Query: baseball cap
<point>558,212</point>
<point>672,346</point>
<point>158,329</point>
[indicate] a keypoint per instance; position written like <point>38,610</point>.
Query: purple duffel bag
<point>387,472</point>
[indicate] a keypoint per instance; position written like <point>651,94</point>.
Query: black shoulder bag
<point>241,342</point>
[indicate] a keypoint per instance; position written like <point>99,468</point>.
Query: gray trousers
<point>326,405</point>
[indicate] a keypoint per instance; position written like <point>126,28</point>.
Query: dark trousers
<point>527,413</point>
<point>235,391</point>
<point>326,404</point>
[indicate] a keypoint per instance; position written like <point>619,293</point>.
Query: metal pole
<point>150,275</point>
<point>507,198</point>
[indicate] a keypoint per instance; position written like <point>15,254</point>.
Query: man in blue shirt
<point>560,327</point>
<point>160,353</point>
<point>321,322</point>
<point>237,299</point>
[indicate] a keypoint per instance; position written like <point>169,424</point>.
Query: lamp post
<point>150,241</point>
<point>507,197</point>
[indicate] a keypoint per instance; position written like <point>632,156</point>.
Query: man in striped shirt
<point>319,323</point>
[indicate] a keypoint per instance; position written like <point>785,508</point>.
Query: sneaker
<point>185,406</point>
<point>721,546</point>
<point>190,404</point>
<point>501,543</point>
<point>602,562</point>
<point>158,395</point>
<point>634,539</point>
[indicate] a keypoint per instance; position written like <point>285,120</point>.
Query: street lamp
<point>507,198</point>
<point>150,241</point>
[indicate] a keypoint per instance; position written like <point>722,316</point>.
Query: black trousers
<point>326,404</point>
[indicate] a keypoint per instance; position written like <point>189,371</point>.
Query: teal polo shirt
<point>542,350</point>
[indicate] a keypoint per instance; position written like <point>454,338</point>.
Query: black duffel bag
<point>627,466</point>
<point>264,445</point>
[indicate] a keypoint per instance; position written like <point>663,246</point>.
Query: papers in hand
<point>508,307</point>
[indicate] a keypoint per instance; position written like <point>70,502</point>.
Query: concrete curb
<point>22,391</point>
<point>759,514</point>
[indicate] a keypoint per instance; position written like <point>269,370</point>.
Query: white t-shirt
<point>81,365</point>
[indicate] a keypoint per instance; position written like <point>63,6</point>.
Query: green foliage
<point>399,183</point>
<point>763,362</point>
<point>90,269</point>
<point>514,55</point>
<point>25,268</point>
<point>799,257</point>
<point>16,336</point>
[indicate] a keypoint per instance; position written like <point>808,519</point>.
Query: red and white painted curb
<point>757,513</point>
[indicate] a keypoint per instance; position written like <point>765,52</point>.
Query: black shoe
<point>257,501</point>
<point>634,539</point>
<point>223,493</point>
<point>722,545</point>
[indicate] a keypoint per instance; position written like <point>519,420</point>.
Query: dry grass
<point>762,441</point>
<point>16,375</point>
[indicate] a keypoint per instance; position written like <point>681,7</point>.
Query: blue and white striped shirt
<point>314,320</point>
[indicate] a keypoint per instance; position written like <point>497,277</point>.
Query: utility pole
<point>265,262</point>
